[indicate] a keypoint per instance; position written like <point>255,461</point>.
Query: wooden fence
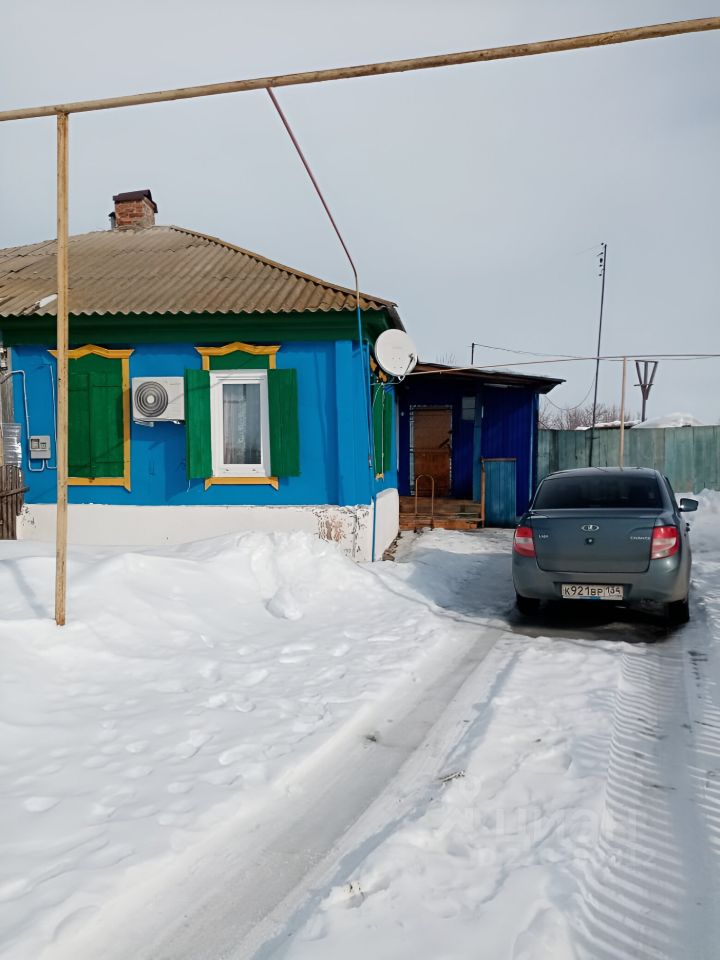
<point>688,456</point>
<point>11,500</point>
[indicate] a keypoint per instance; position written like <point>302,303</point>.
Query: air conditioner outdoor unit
<point>158,398</point>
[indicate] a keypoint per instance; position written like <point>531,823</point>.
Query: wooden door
<point>432,448</point>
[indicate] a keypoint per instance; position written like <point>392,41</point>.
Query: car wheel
<point>678,612</point>
<point>526,605</point>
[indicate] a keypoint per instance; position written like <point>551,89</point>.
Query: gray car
<point>604,534</point>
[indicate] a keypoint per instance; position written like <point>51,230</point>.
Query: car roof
<point>604,471</point>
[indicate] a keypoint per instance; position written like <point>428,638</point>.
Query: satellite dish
<point>395,353</point>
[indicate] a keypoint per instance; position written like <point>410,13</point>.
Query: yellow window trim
<point>124,357</point>
<point>258,481</point>
<point>99,482</point>
<point>238,347</point>
<point>91,348</point>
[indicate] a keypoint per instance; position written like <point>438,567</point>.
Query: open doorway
<point>431,448</point>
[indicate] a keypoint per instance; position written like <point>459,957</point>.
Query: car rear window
<point>598,492</point>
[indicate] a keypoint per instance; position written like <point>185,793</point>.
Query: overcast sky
<point>476,197</point>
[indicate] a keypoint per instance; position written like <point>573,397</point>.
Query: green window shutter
<point>388,428</point>
<point>378,398</point>
<point>107,439</point>
<point>96,437</point>
<point>79,457</point>
<point>284,428</point>
<point>197,424</point>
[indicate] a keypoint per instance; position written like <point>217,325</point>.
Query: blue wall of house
<point>333,433</point>
<point>509,429</point>
<point>504,426</point>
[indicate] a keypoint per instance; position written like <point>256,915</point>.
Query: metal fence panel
<point>689,456</point>
<point>707,458</point>
<point>547,451</point>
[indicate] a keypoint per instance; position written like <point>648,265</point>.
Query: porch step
<point>442,513</point>
<point>439,522</point>
<point>443,506</point>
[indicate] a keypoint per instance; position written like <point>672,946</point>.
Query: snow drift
<point>188,681</point>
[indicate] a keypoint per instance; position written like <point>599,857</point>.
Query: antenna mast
<point>646,378</point>
<point>603,261</point>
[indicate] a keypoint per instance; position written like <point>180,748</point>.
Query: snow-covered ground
<point>252,747</point>
<point>577,815</point>
<point>188,685</point>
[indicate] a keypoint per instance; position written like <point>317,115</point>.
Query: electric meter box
<point>39,448</point>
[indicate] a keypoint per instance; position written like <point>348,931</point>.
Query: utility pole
<point>62,370</point>
<point>472,354</point>
<point>603,261</point>
<point>646,380</point>
<point>622,413</point>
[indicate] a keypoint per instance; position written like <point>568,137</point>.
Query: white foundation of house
<point>100,524</point>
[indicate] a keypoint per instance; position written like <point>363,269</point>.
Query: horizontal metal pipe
<point>651,32</point>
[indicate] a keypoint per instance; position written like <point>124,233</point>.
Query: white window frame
<point>220,468</point>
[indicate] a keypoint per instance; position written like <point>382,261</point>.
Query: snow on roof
<point>610,425</point>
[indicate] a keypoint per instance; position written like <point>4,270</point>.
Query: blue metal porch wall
<point>508,428</point>
<point>439,395</point>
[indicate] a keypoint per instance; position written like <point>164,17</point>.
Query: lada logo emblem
<point>590,527</point>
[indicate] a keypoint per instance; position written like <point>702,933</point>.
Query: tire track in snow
<point>236,894</point>
<point>650,891</point>
<point>402,799</point>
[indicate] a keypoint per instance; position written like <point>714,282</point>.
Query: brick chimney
<point>133,210</point>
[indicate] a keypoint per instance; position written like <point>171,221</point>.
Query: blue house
<point>467,445</point>
<point>211,390</point>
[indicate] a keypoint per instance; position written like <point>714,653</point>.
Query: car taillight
<point>665,542</point>
<point>523,542</point>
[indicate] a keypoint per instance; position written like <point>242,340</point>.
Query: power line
<point>527,353</point>
<point>577,405</point>
<point>559,359</point>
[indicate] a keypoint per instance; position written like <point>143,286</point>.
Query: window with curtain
<point>239,423</point>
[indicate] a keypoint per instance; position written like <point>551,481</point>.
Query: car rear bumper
<point>665,581</point>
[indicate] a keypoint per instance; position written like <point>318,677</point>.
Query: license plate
<point>590,591</point>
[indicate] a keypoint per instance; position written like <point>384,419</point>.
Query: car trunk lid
<point>600,541</point>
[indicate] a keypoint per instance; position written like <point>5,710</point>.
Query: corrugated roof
<point>165,269</point>
<point>425,370</point>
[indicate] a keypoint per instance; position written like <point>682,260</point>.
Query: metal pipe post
<point>62,369</point>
